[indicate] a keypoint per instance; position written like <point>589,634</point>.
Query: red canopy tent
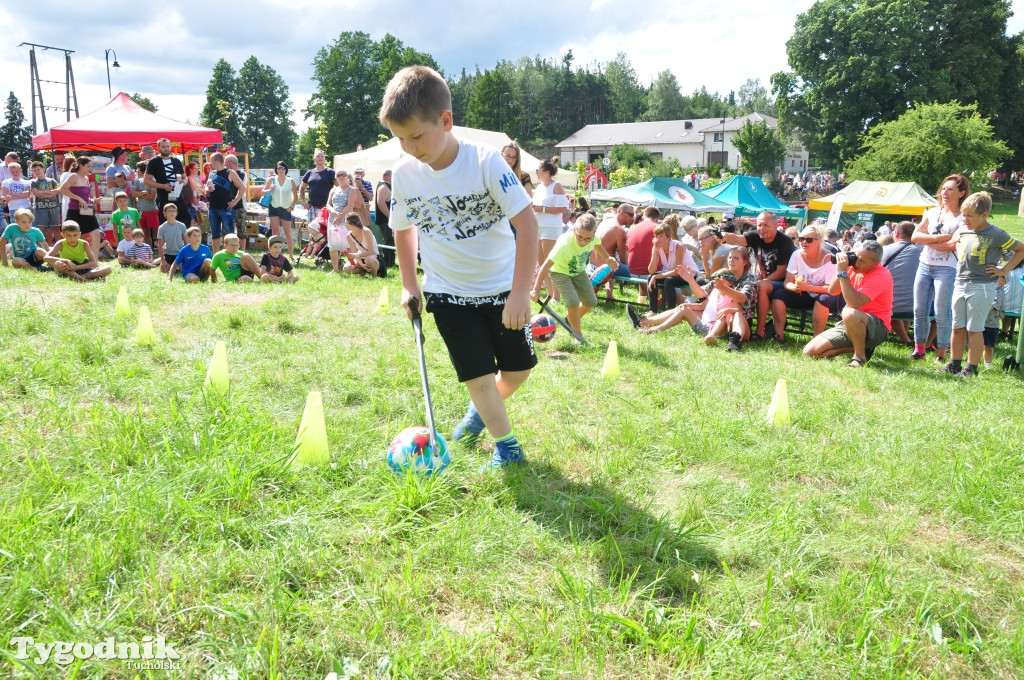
<point>122,122</point>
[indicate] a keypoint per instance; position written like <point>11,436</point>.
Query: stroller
<point>317,247</point>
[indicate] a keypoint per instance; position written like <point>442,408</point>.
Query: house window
<point>719,137</point>
<point>718,158</point>
<point>657,154</point>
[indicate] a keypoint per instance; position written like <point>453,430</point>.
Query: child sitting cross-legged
<point>26,243</point>
<point>72,257</point>
<point>275,267</point>
<point>137,253</point>
<point>236,265</point>
<point>195,260</point>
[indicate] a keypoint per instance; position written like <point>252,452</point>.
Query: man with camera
<point>867,318</point>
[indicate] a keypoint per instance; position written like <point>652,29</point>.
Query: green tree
<point>624,90</point>
<point>264,113</point>
<point>462,91</point>
<point>351,75</point>
<point>761,148</point>
<point>665,101</point>
<point>15,135</point>
<point>219,109</point>
<point>143,101</point>
<point>856,63</point>
<point>927,143</point>
<point>493,89</point>
<point>310,140</point>
<point>754,97</point>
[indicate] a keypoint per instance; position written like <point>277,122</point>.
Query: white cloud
<point>168,54</point>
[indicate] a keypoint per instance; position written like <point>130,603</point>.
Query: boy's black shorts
<point>477,342</point>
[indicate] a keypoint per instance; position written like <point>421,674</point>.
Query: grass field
<point>659,529</point>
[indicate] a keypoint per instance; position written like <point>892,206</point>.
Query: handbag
<point>265,198</point>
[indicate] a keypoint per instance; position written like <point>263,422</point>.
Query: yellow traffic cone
<point>217,374</point>
<point>311,442</point>
<point>122,308</point>
<point>778,411</point>
<point>382,301</point>
<point>610,369</point>
<point>144,334</point>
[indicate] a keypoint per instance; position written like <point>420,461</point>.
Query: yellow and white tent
<point>891,201</point>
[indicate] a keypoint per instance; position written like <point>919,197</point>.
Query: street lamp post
<point>106,57</point>
<point>501,109</point>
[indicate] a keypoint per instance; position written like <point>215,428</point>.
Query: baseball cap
<point>276,239</point>
<point>116,151</point>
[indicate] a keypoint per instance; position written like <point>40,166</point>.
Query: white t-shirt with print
<point>466,243</point>
<point>940,258</point>
<point>814,277</point>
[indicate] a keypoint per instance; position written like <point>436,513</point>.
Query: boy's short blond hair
<point>586,222</point>
<point>979,203</point>
<point>415,92</point>
<point>69,225</point>
<point>230,237</point>
<point>119,195</point>
<point>138,232</point>
<point>23,212</point>
<point>171,206</point>
<point>193,230</point>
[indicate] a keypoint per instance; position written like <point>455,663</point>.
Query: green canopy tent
<point>664,193</point>
<point>751,197</point>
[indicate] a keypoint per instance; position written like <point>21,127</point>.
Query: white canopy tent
<point>382,157</point>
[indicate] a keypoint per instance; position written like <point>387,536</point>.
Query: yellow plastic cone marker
<point>122,308</point>
<point>311,442</point>
<point>778,411</point>
<point>144,334</point>
<point>382,301</point>
<point>217,374</point>
<point>610,369</point>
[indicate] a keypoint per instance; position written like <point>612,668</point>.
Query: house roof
<point>658,132</point>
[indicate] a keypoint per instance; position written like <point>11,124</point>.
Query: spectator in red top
<point>640,241</point>
<point>867,317</point>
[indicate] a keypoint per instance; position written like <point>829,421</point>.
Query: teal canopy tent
<point>663,192</point>
<point>751,197</point>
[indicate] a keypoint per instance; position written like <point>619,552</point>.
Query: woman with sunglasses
<point>808,274</point>
<point>283,198</point>
<point>513,156</point>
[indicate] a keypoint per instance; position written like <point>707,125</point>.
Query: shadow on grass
<point>633,548</point>
<point>647,354</point>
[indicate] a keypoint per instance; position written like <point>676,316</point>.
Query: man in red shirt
<point>640,241</point>
<point>867,317</point>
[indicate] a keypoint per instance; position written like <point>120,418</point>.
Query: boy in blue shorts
<point>979,247</point>
<point>460,198</point>
<point>195,260</point>
<point>27,242</point>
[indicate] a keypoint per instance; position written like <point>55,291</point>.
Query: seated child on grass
<point>362,248</point>
<point>24,240</point>
<point>717,310</point>
<point>194,260</point>
<point>236,265</point>
<point>170,237</point>
<point>72,257</point>
<point>275,267</point>
<point>567,264</point>
<point>138,253</point>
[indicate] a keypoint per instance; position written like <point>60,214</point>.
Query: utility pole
<point>37,86</point>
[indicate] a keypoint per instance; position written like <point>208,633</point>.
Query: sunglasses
<point>807,239</point>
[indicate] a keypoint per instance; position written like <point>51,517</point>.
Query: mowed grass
<point>659,530</point>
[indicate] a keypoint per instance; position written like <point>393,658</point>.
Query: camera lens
<point>852,259</point>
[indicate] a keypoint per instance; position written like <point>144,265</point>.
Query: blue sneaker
<point>468,431</point>
<point>505,453</point>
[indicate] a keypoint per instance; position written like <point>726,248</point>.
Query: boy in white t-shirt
<point>460,198</point>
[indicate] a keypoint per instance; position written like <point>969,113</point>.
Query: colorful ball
<point>411,450</point>
<point>543,327</point>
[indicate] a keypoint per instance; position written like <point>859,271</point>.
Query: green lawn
<point>659,530</point>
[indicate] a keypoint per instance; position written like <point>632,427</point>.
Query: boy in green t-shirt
<point>567,263</point>
<point>235,264</point>
<point>124,219</point>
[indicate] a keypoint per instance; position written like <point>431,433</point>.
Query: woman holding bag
<point>342,201</point>
<point>283,197</point>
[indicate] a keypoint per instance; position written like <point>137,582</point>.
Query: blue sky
<point>167,50</point>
